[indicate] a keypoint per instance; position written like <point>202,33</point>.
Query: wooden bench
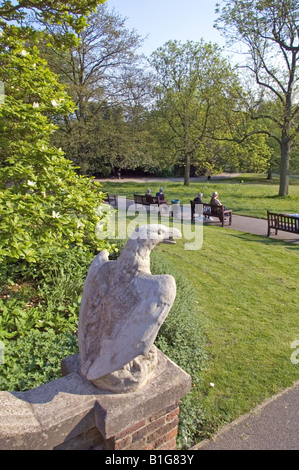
<point>211,210</point>
<point>284,222</point>
<point>148,200</point>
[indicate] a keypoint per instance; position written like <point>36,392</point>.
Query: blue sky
<point>162,20</point>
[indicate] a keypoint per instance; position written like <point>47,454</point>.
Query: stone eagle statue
<point>122,309</point>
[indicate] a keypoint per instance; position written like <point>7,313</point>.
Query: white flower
<point>24,53</point>
<point>35,105</point>
<point>55,215</point>
<point>31,183</point>
<point>211,384</point>
<point>34,66</point>
<point>59,180</point>
<point>54,103</point>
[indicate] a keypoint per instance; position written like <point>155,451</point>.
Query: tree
<point>72,11</point>
<point>100,71</point>
<point>194,89</point>
<point>44,206</point>
<point>269,30</point>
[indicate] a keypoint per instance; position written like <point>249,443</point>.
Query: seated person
<point>160,196</point>
<point>198,199</point>
<point>148,196</point>
<point>214,199</point>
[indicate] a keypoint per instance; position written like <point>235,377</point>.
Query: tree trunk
<point>187,171</point>
<point>284,166</point>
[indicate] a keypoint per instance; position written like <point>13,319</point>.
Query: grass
<point>232,324</point>
<point>247,305</point>
<point>252,197</point>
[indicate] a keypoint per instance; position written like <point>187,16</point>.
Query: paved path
<point>243,224</point>
<point>274,425</point>
<point>260,227</point>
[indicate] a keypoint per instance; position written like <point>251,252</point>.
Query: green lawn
<point>252,197</point>
<point>232,324</point>
<point>247,305</point>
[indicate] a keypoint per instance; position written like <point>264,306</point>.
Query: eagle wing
<point>136,331</point>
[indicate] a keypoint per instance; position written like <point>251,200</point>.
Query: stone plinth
<point>72,413</point>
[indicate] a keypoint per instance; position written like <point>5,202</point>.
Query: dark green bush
<point>181,338</point>
<point>34,359</point>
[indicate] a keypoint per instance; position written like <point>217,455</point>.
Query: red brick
<point>136,436</point>
<point>163,430</point>
<point>138,445</point>
<point>155,424</point>
<point>171,445</point>
<point>173,413</point>
<point>164,412</point>
<point>158,442</point>
<point>130,429</point>
<point>149,446</point>
<point>122,443</point>
<point>171,434</point>
<point>157,416</point>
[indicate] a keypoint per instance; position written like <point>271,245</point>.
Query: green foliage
<point>35,359</point>
<point>198,112</point>
<point>106,132</point>
<point>39,310</point>
<point>268,30</point>
<point>182,339</point>
<point>45,206</point>
<point>72,11</point>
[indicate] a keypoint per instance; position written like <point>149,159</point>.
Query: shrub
<point>35,359</point>
<point>45,207</point>
<point>181,338</point>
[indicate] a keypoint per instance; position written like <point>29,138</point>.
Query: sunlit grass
<point>249,195</point>
<point>247,305</point>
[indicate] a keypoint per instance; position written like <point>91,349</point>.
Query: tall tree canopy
<point>270,31</point>
<point>101,72</point>
<point>44,206</point>
<point>72,11</point>
<point>197,104</point>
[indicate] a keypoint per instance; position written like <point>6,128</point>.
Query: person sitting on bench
<point>198,199</point>
<point>160,194</point>
<point>214,199</point>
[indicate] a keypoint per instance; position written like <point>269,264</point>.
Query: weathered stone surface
<point>43,417</point>
<point>56,414</point>
<point>123,307</point>
<point>19,428</point>
<point>116,412</point>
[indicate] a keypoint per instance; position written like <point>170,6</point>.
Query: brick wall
<point>71,413</point>
<point>157,432</point>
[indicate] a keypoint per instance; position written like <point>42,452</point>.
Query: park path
<point>274,425</point>
<point>241,223</point>
<point>260,227</point>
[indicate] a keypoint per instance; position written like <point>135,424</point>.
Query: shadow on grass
<point>290,244</point>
